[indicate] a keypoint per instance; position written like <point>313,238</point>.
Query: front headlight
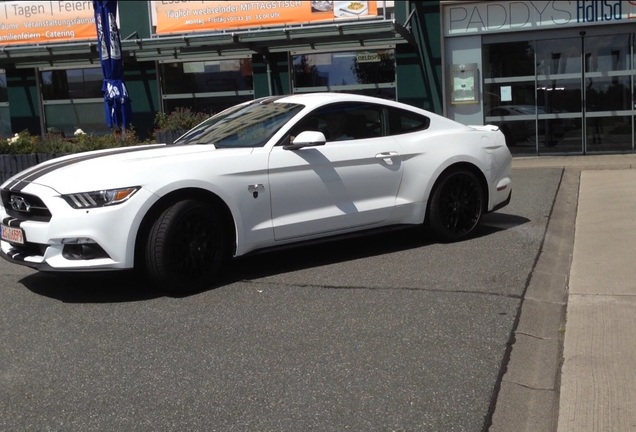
<point>101,198</point>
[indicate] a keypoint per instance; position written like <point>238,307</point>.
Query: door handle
<point>387,157</point>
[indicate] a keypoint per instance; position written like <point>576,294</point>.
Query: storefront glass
<point>209,105</point>
<point>206,86</point>
<point>559,95</point>
<point>72,99</point>
<point>5,121</point>
<point>363,72</point>
<point>608,90</point>
<point>566,95</point>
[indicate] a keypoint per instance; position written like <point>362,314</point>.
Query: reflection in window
<point>559,56</point>
<point>5,122</point>
<point>345,121</point>
<point>207,76</point>
<point>607,53</point>
<point>66,118</point>
<point>3,86</point>
<point>605,94</point>
<point>515,93</point>
<point>72,84</point>
<point>210,105</point>
<point>249,125</point>
<point>510,59</point>
<point>344,68</point>
<point>75,100</point>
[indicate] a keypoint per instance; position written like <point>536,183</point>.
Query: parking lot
<point>391,332</point>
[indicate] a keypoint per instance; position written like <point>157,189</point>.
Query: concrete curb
<point>529,393</point>
<point>530,396</point>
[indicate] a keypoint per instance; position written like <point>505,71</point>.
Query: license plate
<point>12,235</point>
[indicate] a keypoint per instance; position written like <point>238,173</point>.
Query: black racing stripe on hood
<point>21,182</point>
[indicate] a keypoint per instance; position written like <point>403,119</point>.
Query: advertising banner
<point>170,17</point>
<point>30,22</point>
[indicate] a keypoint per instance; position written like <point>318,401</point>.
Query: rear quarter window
<point>403,121</point>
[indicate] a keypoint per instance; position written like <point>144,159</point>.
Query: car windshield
<point>246,125</point>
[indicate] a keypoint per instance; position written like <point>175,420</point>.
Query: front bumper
<point>76,239</point>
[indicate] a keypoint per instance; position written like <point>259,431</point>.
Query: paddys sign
<point>29,22</point>
<point>171,17</point>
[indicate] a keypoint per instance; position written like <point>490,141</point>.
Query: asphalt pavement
<point>372,334</point>
<point>573,360</point>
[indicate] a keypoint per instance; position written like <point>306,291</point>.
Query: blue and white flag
<point>116,101</point>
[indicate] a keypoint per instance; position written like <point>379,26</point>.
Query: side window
<point>401,121</point>
<point>345,121</point>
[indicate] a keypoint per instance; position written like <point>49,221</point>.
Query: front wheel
<point>456,205</point>
<point>186,247</point>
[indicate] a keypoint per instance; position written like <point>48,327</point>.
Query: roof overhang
<point>354,35</point>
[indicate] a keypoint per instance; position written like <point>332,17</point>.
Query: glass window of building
<point>5,120</point>
<point>562,95</point>
<point>3,86</point>
<point>206,86</point>
<point>370,72</point>
<point>72,99</point>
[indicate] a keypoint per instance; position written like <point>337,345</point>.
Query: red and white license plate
<point>12,235</point>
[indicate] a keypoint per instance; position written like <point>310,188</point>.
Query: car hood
<point>122,167</point>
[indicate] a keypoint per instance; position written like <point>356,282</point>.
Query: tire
<point>186,248</point>
<point>456,205</point>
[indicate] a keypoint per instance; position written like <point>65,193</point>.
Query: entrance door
<point>584,94</point>
<point>607,85</point>
<point>567,95</point>
<point>559,94</point>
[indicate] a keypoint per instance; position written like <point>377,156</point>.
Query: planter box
<point>12,164</point>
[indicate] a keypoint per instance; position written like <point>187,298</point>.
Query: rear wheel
<point>456,205</point>
<point>186,247</point>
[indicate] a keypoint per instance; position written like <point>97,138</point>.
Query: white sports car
<point>265,173</point>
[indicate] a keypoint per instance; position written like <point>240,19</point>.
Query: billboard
<point>31,22</point>
<point>176,17</point>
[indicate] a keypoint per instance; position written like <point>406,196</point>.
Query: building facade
<point>208,55</point>
<point>558,77</point>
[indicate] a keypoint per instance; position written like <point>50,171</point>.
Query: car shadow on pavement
<point>354,248</point>
<point>128,286</point>
<point>102,287</point>
<point>493,222</point>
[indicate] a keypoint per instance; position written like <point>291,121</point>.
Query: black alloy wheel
<point>456,205</point>
<point>186,247</point>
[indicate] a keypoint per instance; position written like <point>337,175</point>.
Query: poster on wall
<point>31,22</point>
<point>464,83</point>
<point>185,17</point>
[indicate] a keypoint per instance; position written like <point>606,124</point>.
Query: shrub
<point>179,119</point>
<point>25,143</point>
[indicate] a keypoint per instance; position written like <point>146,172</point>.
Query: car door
<point>349,183</point>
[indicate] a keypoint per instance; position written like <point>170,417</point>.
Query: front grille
<point>24,206</point>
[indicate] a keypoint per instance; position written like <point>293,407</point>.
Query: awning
<point>355,35</point>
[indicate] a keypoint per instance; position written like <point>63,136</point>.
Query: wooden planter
<point>11,164</point>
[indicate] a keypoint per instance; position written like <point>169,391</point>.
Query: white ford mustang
<point>265,173</point>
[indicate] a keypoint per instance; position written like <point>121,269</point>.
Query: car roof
<point>312,100</point>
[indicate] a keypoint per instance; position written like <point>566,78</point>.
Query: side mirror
<point>306,139</point>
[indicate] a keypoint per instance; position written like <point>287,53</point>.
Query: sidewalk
<point>598,382</point>
<point>573,362</point>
